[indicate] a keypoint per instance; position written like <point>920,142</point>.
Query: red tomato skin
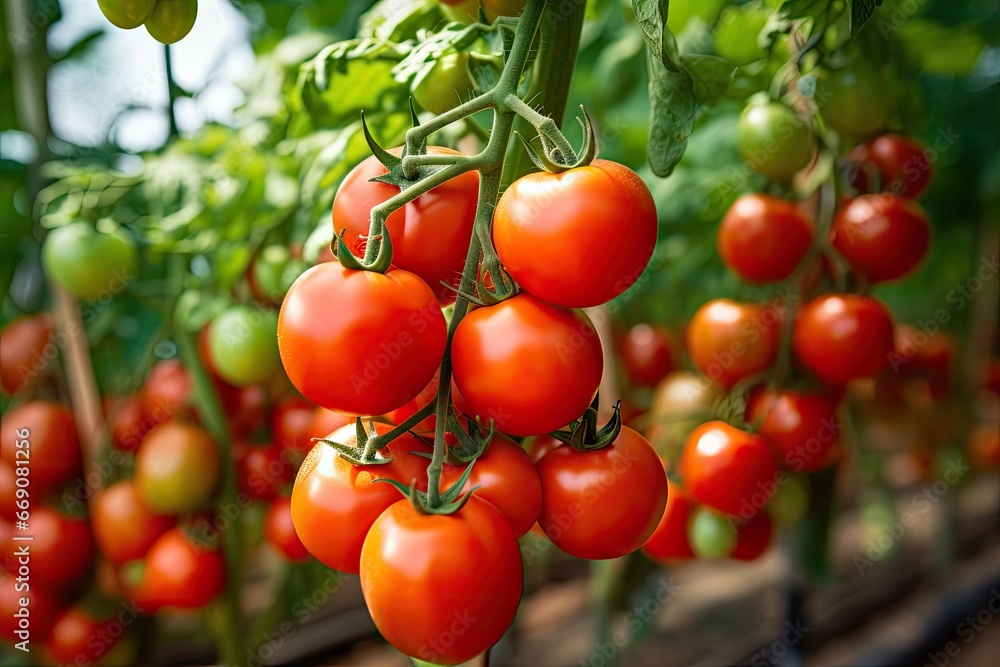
<point>42,607</point>
<point>464,568</point>
<point>123,527</point>
<point>842,337</point>
<point>178,574</point>
<point>507,479</point>
<point>923,355</point>
<point>61,550</point>
<point>753,537</point>
<point>669,542</point>
<point>422,400</point>
<point>901,161</point>
<point>647,355</point>
<point>603,503</point>
<point>23,350</point>
<point>803,427</point>
<point>729,470</point>
<point>763,239</point>
<point>496,348</point>
<point>578,238</point>
<point>77,638</point>
<point>379,338</point>
<point>330,491</point>
<point>166,391</point>
<point>729,341</point>
<point>262,470</point>
<point>883,237</point>
<point>8,492</point>
<point>291,424</point>
<point>127,422</point>
<point>430,235</point>
<point>52,450</point>
<point>325,422</point>
<point>279,531</point>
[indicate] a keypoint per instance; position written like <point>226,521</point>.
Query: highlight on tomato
<point>803,427</point>
<point>179,574</point>
<point>898,162</point>
<point>763,239</point>
<point>647,354</point>
<point>124,528</point>
<point>279,531</point>
<point>883,237</point>
<point>730,341</point>
<point>177,469</point>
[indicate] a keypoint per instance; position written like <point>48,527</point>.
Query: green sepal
<point>452,499</point>
<point>383,258</point>
<point>472,442</point>
<point>388,160</point>
<point>361,454</point>
<point>543,159</point>
<point>584,436</point>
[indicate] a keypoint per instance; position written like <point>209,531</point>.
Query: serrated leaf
<point>651,15</point>
<point>672,112</point>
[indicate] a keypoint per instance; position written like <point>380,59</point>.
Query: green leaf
<point>81,46</point>
<point>803,9</point>
<point>861,11</point>
<point>651,15</point>
<point>672,112</point>
<point>941,49</point>
<point>398,20</point>
<point>711,75</point>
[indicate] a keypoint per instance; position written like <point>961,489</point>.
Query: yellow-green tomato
<point>789,503</point>
<point>172,20</point>
<point>711,534</point>
<point>854,100</point>
<point>176,469</point>
<point>774,140</point>
<point>87,263</point>
<point>445,85</point>
<point>736,34</point>
<point>127,14</point>
<point>244,344</point>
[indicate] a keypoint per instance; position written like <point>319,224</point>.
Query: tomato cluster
<point>167,21</point>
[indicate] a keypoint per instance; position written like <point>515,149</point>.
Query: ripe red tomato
<point>262,471</point>
<point>330,491</point>
<point>176,469</point>
<point>40,611</point>
<point>467,576</point>
<point>729,470</point>
<point>123,527</point>
<point>291,423</point>
<point>43,435</point>
<point>647,355</point>
<point>762,238</point>
<point>729,341</point>
<point>430,235</point>
<point>883,236</point>
<point>179,574</point>
<point>78,638</point>
<point>23,344</point>
<point>842,337</point>
<point>127,422</point>
<point>507,479</point>
<point>380,338</point>
<point>246,408</point>
<point>541,445</point>
<point>901,162</point>
<point>166,391</point>
<point>279,530</point>
<point>803,427</point>
<point>325,422</point>
<point>753,537</point>
<point>669,542</point>
<point>61,550</point>
<point>497,349</point>
<point>923,355</point>
<point>603,503</point>
<point>578,238</point>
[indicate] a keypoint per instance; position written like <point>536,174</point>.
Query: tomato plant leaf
<point>940,49</point>
<point>861,11</point>
<point>651,15</point>
<point>672,111</point>
<point>710,75</point>
<point>397,20</point>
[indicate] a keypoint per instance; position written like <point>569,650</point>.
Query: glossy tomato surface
<point>763,239</point>
<point>754,537</point>
<point>803,427</point>
<point>279,530</point>
<point>646,352</point>
<point>729,341</point>
<point>124,528</point>
<point>180,574</point>
<point>898,161</point>
<point>292,422</point>
<point>669,542</point>
<point>262,470</point>
<point>882,236</point>
<point>41,435</point>
<point>578,238</point>
<point>176,469</point>
<point>529,366</point>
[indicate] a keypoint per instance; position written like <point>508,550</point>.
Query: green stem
<point>544,125</point>
<point>171,91</point>
<point>387,437</point>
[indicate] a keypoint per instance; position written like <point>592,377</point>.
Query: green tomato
<point>774,140</point>
<point>680,12</point>
<point>267,273</point>
<point>736,34</point>
<point>88,263</point>
<point>444,86</point>
<point>172,20</point>
<point>789,504</point>
<point>854,100</point>
<point>711,534</point>
<point>244,345</point>
<point>127,14</point>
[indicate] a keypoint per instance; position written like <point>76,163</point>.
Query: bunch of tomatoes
<point>167,21</point>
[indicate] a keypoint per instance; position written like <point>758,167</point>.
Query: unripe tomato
<point>711,534</point>
<point>774,140</point>
<point>360,342</point>
<point>854,100</point>
<point>42,605</point>
<point>729,470</point>
<point>753,537</point>
<point>179,574</point>
<point>763,239</point>
<point>43,434</point>
<point>78,638</point>
<point>737,33</point>
<point>669,543</point>
<point>901,162</point>
<point>61,549</point>
<point>646,354</point>
<point>272,272</point>
<point>430,235</point>
<point>23,352</point>
<point>603,503</point>
<point>467,576</point>
<point>89,264</point>
<point>124,528</point>
<point>176,469</point>
<point>444,86</point>
<point>803,427</point>
<point>578,238</point>
<point>331,491</point>
<point>279,531</point>
<point>126,14</point>
<point>172,20</point>
<point>791,501</point>
<point>882,236</point>
<point>729,341</point>
<point>496,348</point>
<point>244,346</point>
<point>842,337</point>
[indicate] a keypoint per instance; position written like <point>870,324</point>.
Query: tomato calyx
<point>584,436</point>
<point>553,157</point>
<point>450,501</point>
<point>367,452</point>
<point>472,440</point>
<point>383,257</point>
